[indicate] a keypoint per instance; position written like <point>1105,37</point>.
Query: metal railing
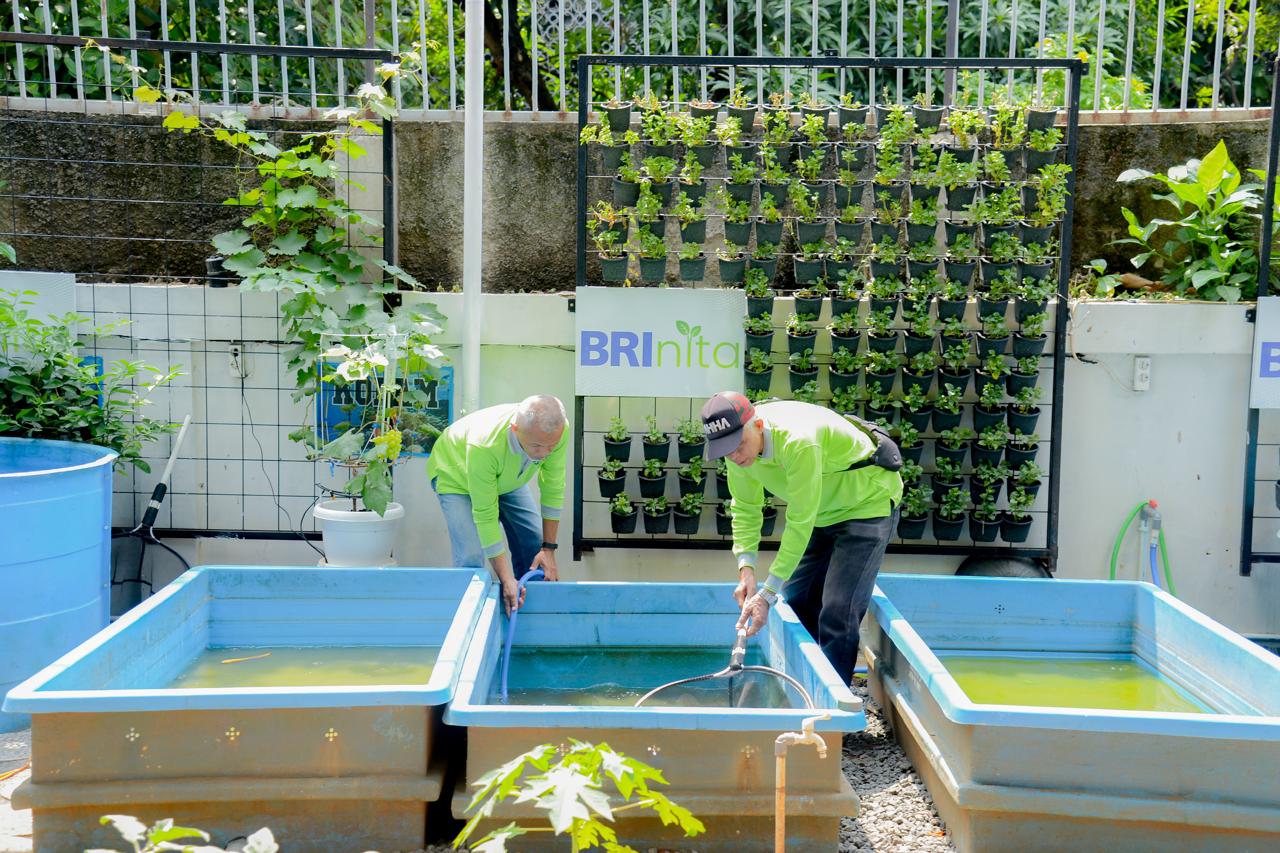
<point>1146,56</point>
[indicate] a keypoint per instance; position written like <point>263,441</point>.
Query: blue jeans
<point>519,515</point>
<point>831,587</point>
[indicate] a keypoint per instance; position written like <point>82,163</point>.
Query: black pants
<point>831,587</point>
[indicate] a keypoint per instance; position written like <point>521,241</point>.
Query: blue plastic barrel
<point>55,554</point>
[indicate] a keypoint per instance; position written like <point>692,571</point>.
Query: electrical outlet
<point>237,365</point>
<point>1142,373</point>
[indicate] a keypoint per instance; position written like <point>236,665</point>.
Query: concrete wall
<point>1181,443</point>
<point>530,193</point>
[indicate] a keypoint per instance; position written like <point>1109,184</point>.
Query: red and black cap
<point>723,418</point>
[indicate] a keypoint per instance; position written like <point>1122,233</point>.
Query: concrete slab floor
<point>15,826</point>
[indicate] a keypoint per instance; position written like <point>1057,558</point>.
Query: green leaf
<point>303,196</point>
<point>682,327</point>
<point>179,120</point>
<point>165,831</point>
<point>7,252</point>
<point>1202,277</point>
<point>344,447</point>
<point>1129,175</point>
<point>245,262</point>
<point>146,94</point>
<point>1212,167</point>
<point>130,828</point>
<point>376,493</point>
<point>288,244</point>
<point>231,243</point>
<point>695,330</point>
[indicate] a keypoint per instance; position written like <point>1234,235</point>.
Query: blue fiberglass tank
<point>55,554</point>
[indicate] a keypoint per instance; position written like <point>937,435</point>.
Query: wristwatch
<point>768,595</point>
<point>548,546</point>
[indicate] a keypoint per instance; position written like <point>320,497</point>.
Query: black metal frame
<point>1048,555</point>
<point>366,55</point>
<point>1248,556</point>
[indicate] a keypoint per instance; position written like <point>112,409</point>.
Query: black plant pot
<point>986,454</point>
<point>947,529</point>
<point>660,450</point>
<point>1013,530</point>
<point>912,453</point>
<point>983,530</point>
<point>653,269</point>
<point>689,452</point>
<point>888,343</point>
<point>921,233</point>
<point>764,342</point>
<point>928,118</point>
<point>690,486</point>
<point>987,305</point>
<point>1024,309</point>
<point>778,191</point>
<point>886,269</point>
<point>919,269</point>
<point>842,305</point>
<point>940,487</point>
<point>663,190</point>
<point>738,232</point>
<point>705,154</point>
<point>797,344</point>
<point>819,190</point>
<point>808,271</point>
<point>687,525</point>
<point>856,115</point>
<point>836,270</point>
<point>1018,456</point>
<point>951,309</point>
<point>768,232</point>
<point>614,269</point>
<point>745,115</point>
<point>693,269</point>
<point>693,232</point>
<point>1034,161</point>
<point>952,230</point>
<point>912,528</point>
<point>654,150</point>
<point>945,420</point>
<point>653,487</point>
<point>768,265</point>
<point>722,487</point>
<point>894,190</point>
<point>740,192</point>
<point>656,227</point>
<point>704,111</point>
<point>851,231</point>
<point>958,380</point>
<point>758,381</point>
<point>987,346</point>
<point>1016,381</point>
<point>732,270</point>
<point>1032,490</point>
<point>724,522</point>
<point>842,381</point>
<point>1036,233</point>
<point>984,418</point>
<point>619,450</point>
<point>847,194</point>
<point>849,342</point>
<point>623,523</point>
<point>618,118</point>
<point>1041,119</point>
<point>696,191</point>
<point>811,232</point>
<point>657,523</point>
<point>954,454</point>
<point>613,488</point>
<point>1023,422</point>
<point>746,150</point>
<point>1024,346</point>
<point>885,415</point>
<point>961,271</point>
<point>881,231</point>
<point>883,381</point>
<point>624,193</point>
<point>977,487</point>
<point>611,157</point>
<point>992,269</point>
<point>919,418</point>
<point>989,232</point>
<point>757,305</point>
<point>811,305</point>
<point>923,192</point>
<point>959,198</point>
<point>769,522</point>
<point>798,378</point>
<point>1036,272</point>
<point>916,344</point>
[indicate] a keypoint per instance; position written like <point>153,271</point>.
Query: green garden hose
<point>1164,551</point>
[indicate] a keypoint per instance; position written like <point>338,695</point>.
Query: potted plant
<point>907,437</point>
<point>1008,126</point>
<point>759,332</point>
<point>617,441</point>
<point>989,408</point>
<point>927,116</point>
<point>732,263</point>
<point>692,218</point>
<point>763,261</point>
<point>758,370</point>
<point>742,178</point>
<point>952,444</point>
<point>613,479</point>
<point>848,291</point>
<point>741,108</point>
<point>693,263</point>
<point>658,129</point>
<point>613,260</point>
<point>759,294</point>
<point>724,518</point>
<point>806,393</point>
<point>849,224</point>
<point>960,179</point>
<point>883,292</point>
<point>844,331</point>
<point>695,132</point>
<point>1016,523</point>
<point>657,515</point>
<point>729,134</point>
<point>913,513</point>
<point>1040,114</point>
<point>848,188</point>
<point>1050,184</point>
<point>966,126</point>
<point>920,326</point>
<point>1022,448</point>
<point>769,222</point>
<point>690,440</point>
<point>774,179</point>
<point>990,444</point>
<point>946,408</point>
<point>691,478</point>
<point>884,258</point>
<point>617,114</point>
<point>880,337</point>
<point>1024,411</point>
<point>1029,340</point>
<point>611,149</point>
<point>737,222</point>
<point>653,479</point>
<point>921,371</point>
<point>984,518</point>
<point>879,406</point>
<point>844,369</point>
<point>660,171</point>
<point>881,370</point>
<point>1025,374</point>
<point>802,369</point>
<point>840,259</point>
<point>851,111</point>
<point>1033,298</point>
<point>994,337</point>
<point>622,514</point>
<point>809,299</point>
<point>656,443</point>
<point>626,186</point>
<point>948,518</point>
<point>688,514</point>
<point>846,401</point>
<point>810,226</point>
<point>722,479</point>
<point>801,334</point>
<point>914,406</point>
<point>770,517</point>
<point>1042,148</point>
<point>1027,478</point>
<point>651,252</point>
<point>1003,250</point>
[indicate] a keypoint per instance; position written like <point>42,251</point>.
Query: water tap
<point>805,735</point>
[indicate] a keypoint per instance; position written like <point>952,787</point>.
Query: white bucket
<point>358,539</point>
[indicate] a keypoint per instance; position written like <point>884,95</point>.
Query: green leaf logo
<point>682,327</point>
<point>695,330</point>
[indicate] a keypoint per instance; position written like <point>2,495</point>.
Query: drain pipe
<point>472,205</point>
<point>780,745</point>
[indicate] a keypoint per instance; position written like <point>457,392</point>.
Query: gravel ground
<point>897,812</point>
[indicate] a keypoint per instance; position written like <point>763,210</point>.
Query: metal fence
<point>1146,56</point>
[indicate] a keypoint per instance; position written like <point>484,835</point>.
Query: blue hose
<point>1151,553</point>
<point>534,575</point>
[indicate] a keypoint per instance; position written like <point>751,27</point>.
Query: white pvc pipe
<point>472,204</point>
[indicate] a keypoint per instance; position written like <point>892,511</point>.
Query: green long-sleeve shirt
<point>807,452</point>
<point>479,456</point>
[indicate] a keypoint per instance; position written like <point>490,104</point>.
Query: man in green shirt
<point>842,491</point>
<point>480,468</point>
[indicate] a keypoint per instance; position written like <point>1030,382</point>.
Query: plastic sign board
<point>1264,376</point>
<point>338,407</point>
<point>658,342</point>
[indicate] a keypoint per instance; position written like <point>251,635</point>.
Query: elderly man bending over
<point>480,469</point>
